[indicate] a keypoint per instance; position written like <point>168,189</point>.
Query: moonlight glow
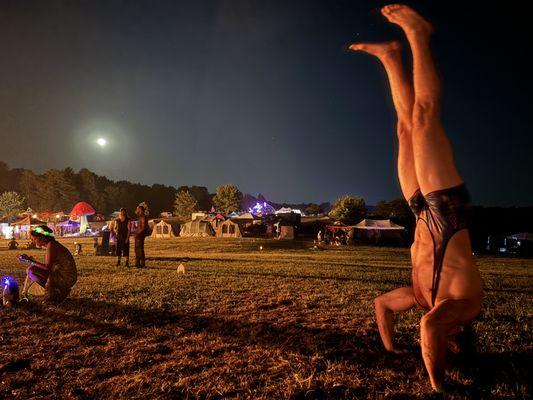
<point>101,142</point>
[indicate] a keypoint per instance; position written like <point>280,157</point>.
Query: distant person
<point>77,249</point>
<point>140,234</point>
<point>350,237</point>
<point>327,237</point>
<point>445,279</point>
<point>122,237</point>
<point>95,246</point>
<point>58,273</point>
<point>319,237</point>
<point>13,244</point>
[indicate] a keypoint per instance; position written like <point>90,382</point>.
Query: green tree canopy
<point>397,209</point>
<point>185,204</point>
<point>313,209</point>
<point>349,210</point>
<point>227,198</point>
<point>11,204</point>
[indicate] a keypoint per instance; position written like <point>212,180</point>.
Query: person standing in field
<point>445,279</point>
<point>122,234</point>
<point>140,234</point>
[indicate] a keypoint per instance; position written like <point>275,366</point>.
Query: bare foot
<point>380,50</point>
<point>407,18</point>
<point>399,351</point>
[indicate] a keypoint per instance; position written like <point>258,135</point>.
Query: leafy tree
<point>28,185</point>
<point>58,190</point>
<point>11,204</point>
<point>201,194</point>
<point>160,197</point>
<point>88,188</point>
<point>349,210</point>
<point>185,204</point>
<point>313,209</point>
<point>227,198</point>
<point>397,210</point>
<point>4,176</point>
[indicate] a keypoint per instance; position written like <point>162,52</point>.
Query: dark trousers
<point>139,251</point>
<point>123,248</point>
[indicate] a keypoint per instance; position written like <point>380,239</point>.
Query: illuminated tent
<point>22,227</point>
<point>216,220</point>
<point>378,231</point>
<point>166,229</point>
<point>246,217</point>
<point>66,228</point>
<point>526,236</point>
<point>199,227</point>
<point>230,229</point>
<point>378,224</point>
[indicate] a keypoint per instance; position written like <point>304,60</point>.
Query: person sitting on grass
<point>13,244</point>
<point>58,274</point>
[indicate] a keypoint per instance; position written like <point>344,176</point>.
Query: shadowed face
<point>38,241</point>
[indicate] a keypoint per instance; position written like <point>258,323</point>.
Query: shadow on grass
<point>488,371</point>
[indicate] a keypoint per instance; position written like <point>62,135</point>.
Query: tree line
<point>59,189</point>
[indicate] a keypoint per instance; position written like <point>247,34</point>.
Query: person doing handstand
<point>445,279</point>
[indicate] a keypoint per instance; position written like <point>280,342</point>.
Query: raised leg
<point>433,157</point>
<point>397,300</point>
<point>437,327</point>
<point>402,96</point>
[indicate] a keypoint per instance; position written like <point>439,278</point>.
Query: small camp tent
<point>229,228</point>
<point>21,228</point>
<point>197,228</point>
<point>379,231</point>
<point>378,224</point>
<point>216,220</point>
<point>286,232</point>
<point>165,229</point>
<point>519,243</point>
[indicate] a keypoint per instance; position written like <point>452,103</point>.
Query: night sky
<point>261,94</point>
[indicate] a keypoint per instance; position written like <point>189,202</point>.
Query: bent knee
<point>404,128</point>
<point>380,303</point>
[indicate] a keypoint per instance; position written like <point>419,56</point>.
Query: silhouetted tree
<point>185,204</point>
<point>349,210</point>
<point>227,198</point>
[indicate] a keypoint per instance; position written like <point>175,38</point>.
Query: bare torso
<point>460,278</point>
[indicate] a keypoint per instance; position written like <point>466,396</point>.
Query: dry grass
<point>285,322</point>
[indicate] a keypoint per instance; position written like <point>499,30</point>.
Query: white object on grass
<point>181,269</point>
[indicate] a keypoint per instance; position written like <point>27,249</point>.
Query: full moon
<point>101,142</point>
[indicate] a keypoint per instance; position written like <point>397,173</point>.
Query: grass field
<point>284,322</point>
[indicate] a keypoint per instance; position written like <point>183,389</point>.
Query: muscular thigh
<point>397,300</point>
<point>435,168</point>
